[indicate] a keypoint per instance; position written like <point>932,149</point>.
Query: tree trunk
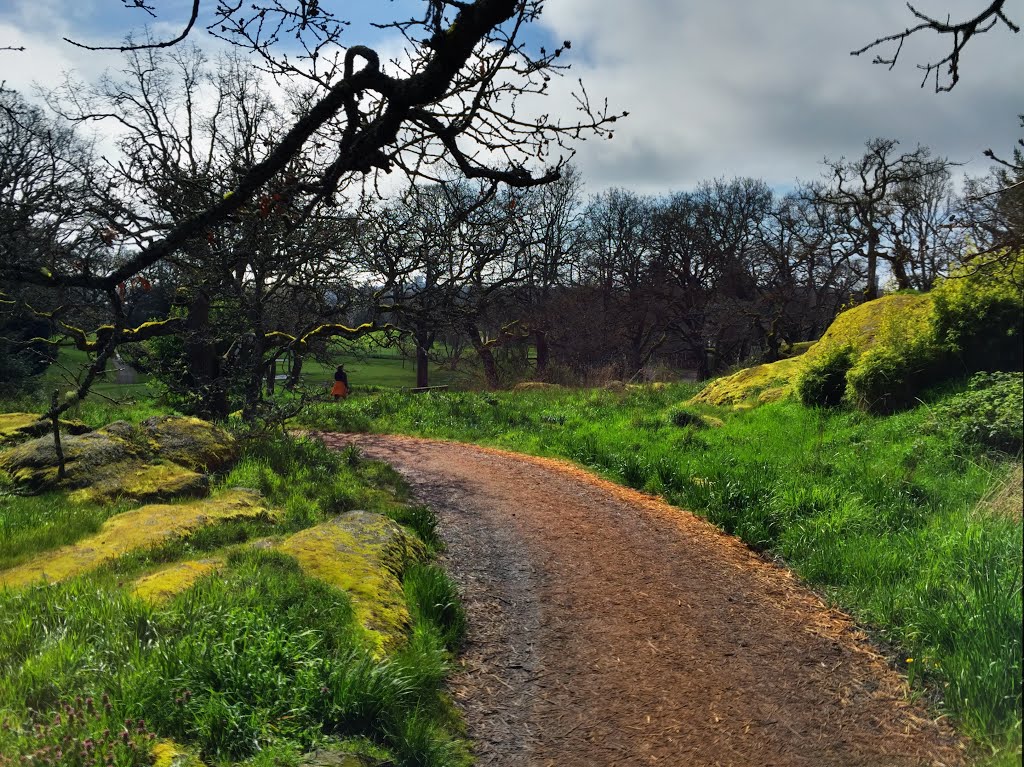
<point>295,372</point>
<point>543,354</point>
<point>871,291</point>
<point>422,372</point>
<point>57,447</point>
<point>271,376</point>
<point>203,365</point>
<point>486,358</point>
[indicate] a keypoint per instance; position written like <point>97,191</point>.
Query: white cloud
<point>769,89</point>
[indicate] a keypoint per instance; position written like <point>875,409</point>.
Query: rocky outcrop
<point>140,528</point>
<point>160,459</point>
<point>192,442</point>
<point>363,554</point>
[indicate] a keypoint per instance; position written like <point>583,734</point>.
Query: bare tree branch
<point>961,32</point>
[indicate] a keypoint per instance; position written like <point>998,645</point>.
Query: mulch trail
<point>609,628</point>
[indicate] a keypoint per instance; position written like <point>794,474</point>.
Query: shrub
<point>979,312</point>
<point>990,414</point>
<point>822,382</point>
<point>889,377</point>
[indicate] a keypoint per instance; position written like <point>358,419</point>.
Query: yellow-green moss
<point>17,427</point>
<point>33,464</point>
<point>170,581</point>
<point>192,442</point>
<point>137,529</point>
<point>761,383</point>
<point>363,554</point>
<point>861,328</point>
<point>167,753</point>
<point>142,482</point>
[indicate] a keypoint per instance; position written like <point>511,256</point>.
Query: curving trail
<point>608,628</point>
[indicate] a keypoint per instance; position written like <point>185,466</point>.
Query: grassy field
<point>255,666</point>
<point>884,515</point>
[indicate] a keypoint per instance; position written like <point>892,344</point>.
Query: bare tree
<point>451,103</point>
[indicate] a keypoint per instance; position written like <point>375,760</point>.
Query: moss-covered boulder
<point>168,582</point>
<point>140,528</point>
<point>160,459</point>
<point>860,329</point>
<point>87,457</point>
<point>167,753</point>
<point>192,442</point>
<point>365,555</point>
<point>143,482</point>
<point>536,385</point>
<point>18,427</point>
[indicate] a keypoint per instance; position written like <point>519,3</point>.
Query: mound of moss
<point>140,528</point>
<point>363,554</point>
<point>881,355</point>
<point>160,459</point>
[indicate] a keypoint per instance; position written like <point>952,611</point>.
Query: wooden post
<point>56,435</point>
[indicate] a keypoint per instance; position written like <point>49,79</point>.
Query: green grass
<point>879,513</point>
<point>256,665</point>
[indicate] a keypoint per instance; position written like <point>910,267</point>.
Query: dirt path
<point>608,628</point>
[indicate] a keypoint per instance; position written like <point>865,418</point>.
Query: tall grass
<point>880,513</point>
<point>255,665</point>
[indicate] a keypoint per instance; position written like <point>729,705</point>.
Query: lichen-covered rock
<point>33,464</point>
<point>143,482</point>
<point>194,443</point>
<point>18,427</point>
<point>140,528</point>
<point>364,554</point>
<point>163,458</point>
<point>170,581</point>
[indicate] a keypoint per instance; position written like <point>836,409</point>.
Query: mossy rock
<point>33,464</point>
<point>761,383</point>
<point>860,328</point>
<point>170,581</point>
<point>140,528</point>
<point>18,427</point>
<point>365,555</point>
<point>192,442</point>
<point>143,482</point>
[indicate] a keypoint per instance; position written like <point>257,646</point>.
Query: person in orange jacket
<point>340,390</point>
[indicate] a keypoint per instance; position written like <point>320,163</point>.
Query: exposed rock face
<point>137,529</point>
<point>163,458</point>
<point>364,554</point>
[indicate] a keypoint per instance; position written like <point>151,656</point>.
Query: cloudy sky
<point>727,88</point>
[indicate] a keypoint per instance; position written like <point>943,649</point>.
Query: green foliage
<point>989,414</point>
<point>979,312</point>
<point>684,417</point>
<point>892,376</point>
<point>880,513</point>
<point>433,598</point>
<point>822,382</point>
